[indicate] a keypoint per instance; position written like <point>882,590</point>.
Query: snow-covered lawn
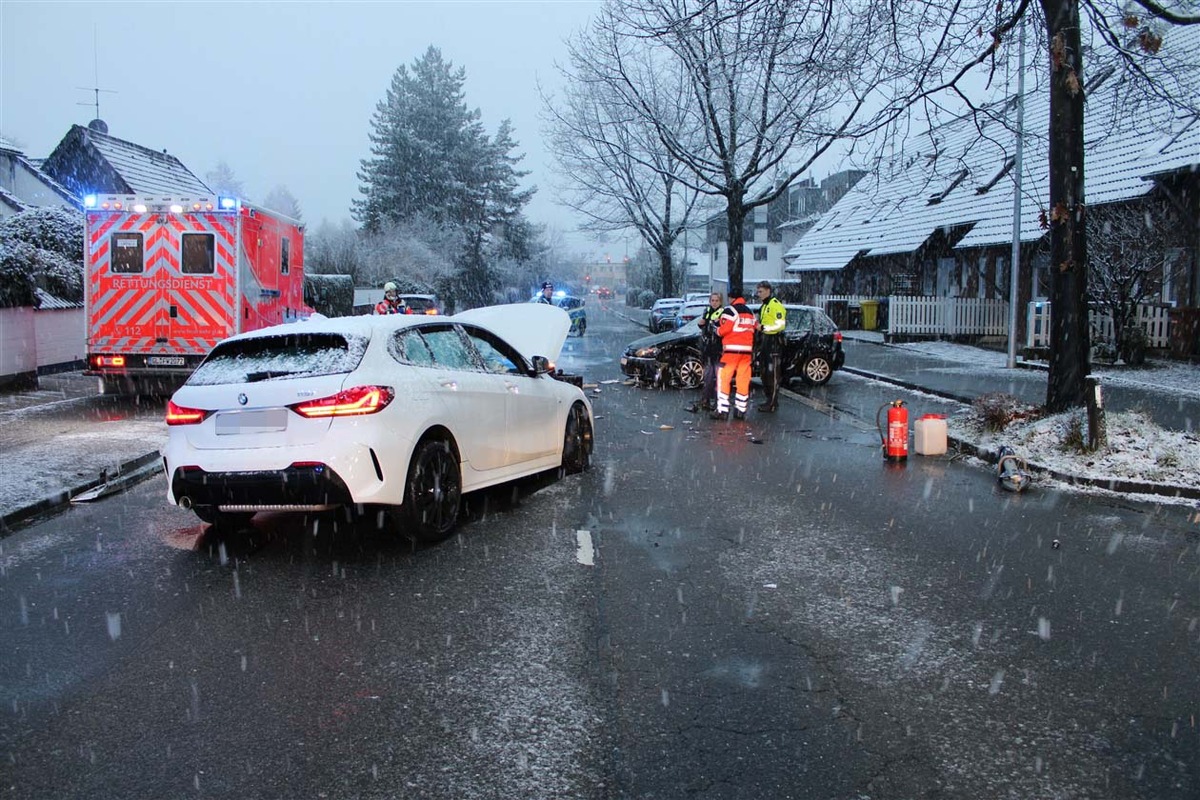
<point>1137,449</point>
<point>1169,376</point>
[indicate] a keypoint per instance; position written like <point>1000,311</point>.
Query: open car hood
<point>535,329</point>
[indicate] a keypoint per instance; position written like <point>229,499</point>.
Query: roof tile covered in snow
<point>88,161</point>
<point>958,176</point>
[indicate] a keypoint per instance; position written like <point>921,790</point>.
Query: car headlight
<point>647,352</point>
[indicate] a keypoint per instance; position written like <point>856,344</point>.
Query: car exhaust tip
<point>185,503</point>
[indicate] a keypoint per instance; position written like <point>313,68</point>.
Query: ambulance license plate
<point>262,420</point>
<point>164,361</point>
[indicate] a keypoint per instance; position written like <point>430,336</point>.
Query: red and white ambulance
<point>166,278</point>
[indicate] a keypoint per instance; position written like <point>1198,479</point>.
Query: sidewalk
<point>62,440</point>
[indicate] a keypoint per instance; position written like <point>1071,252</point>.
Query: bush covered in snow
<point>329,295</point>
<point>41,247</point>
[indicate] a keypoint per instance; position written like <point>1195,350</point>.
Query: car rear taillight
<point>347,403</point>
<point>181,415</point>
<point>837,336</point>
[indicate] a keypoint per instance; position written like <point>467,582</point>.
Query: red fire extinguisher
<point>895,440</point>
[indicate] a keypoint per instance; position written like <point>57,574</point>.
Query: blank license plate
<point>265,420</point>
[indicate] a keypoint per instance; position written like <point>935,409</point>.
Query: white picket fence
<point>947,316</point>
<point>1154,320</point>
<point>937,316</point>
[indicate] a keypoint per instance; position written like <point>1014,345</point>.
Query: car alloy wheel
<point>691,372</point>
<point>433,493</point>
<point>817,370</point>
<point>577,441</point>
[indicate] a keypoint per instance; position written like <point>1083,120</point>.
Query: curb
<point>1111,484</point>
<point>126,474</point>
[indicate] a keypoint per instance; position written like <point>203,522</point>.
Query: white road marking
<point>584,552</point>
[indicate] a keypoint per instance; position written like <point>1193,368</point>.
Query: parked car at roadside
<point>662,311</point>
<point>395,416</point>
<point>812,351</point>
<point>687,312</point>
<point>422,303</point>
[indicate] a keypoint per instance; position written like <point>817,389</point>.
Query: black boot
<point>768,408</point>
<point>723,416</point>
<point>739,415</point>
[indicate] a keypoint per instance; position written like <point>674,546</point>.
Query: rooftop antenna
<point>96,80</point>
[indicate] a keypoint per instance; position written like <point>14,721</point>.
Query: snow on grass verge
<point>1137,449</point>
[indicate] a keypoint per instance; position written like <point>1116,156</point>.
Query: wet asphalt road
<point>789,618</point>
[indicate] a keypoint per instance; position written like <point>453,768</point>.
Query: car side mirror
<point>541,365</point>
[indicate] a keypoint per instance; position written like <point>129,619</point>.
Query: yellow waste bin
<point>870,314</point>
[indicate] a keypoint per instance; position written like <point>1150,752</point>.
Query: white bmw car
<point>399,413</point>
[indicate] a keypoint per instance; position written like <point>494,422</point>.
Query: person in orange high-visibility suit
<point>736,329</point>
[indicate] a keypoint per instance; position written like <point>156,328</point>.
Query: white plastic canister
<point>929,435</point>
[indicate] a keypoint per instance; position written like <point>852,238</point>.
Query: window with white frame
<point>760,254</point>
<point>1172,264</point>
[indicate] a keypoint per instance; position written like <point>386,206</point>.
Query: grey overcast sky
<point>281,91</point>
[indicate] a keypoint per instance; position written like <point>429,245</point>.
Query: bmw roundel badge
<point>242,399</point>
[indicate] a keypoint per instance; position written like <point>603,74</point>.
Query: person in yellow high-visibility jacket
<point>772,320</point>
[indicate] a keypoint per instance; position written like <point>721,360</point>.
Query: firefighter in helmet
<point>391,303</point>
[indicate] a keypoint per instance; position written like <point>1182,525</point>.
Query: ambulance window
<point>198,254</point>
<point>284,255</point>
<point>126,252</point>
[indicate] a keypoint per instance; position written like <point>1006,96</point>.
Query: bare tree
<point>771,86</point>
<point>774,85</point>
<point>414,251</point>
<point>223,180</point>
<point>281,200</point>
<point>335,250</point>
<point>1129,249</point>
<point>619,173</point>
<point>1150,84</point>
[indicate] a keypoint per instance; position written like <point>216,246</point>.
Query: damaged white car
<point>401,414</point>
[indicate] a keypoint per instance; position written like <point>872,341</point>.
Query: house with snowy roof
<point>50,333</point>
<point>934,225</point>
<point>23,185</point>
<point>89,160</point>
<point>770,230</point>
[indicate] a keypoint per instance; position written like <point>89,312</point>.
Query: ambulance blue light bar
<point>227,203</point>
<point>89,201</point>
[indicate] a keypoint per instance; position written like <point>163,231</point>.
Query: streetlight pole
<point>1014,267</point>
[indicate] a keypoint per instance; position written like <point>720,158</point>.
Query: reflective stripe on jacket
<point>737,328</point>
<point>773,316</point>
<point>710,341</point>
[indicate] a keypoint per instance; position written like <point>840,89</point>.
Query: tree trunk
<point>735,216</point>
<point>1069,340</point>
<point>668,273</point>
